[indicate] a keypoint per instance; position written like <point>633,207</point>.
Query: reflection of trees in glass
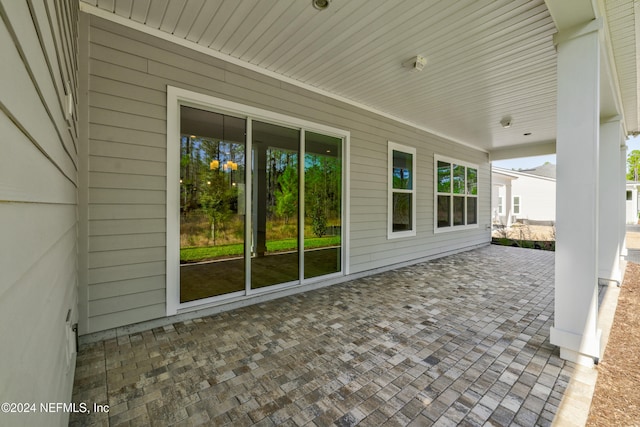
<point>323,185</point>
<point>458,179</point>
<point>215,200</point>
<point>402,165</point>
<point>281,162</point>
<point>461,181</point>
<point>208,189</point>
<point>401,211</point>
<point>318,217</point>
<point>444,177</point>
<point>401,178</point>
<point>472,181</point>
<point>286,196</point>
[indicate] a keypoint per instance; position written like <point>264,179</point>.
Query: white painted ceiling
<point>485,59</point>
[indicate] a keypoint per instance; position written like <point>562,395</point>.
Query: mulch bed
<point>616,400</point>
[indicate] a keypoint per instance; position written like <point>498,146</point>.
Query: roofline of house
<point>514,173</point>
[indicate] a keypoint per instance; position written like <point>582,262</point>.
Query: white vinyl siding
<point>38,208</point>
<point>129,75</point>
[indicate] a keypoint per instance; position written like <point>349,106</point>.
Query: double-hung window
<point>402,191</point>
<point>456,194</point>
<point>516,205</point>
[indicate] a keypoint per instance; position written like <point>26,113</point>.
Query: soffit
<point>624,21</point>
<point>485,59</point>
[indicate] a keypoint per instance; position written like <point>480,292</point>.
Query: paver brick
<point>462,339</point>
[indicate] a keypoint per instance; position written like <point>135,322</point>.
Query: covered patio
<point>462,340</point>
<point>392,112</point>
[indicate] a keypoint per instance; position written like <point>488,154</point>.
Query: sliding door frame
<point>177,97</point>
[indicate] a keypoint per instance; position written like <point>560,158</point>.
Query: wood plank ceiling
<point>485,59</point>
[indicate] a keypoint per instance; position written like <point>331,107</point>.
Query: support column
<point>577,203</point>
<point>610,216</point>
<point>623,200</point>
<point>508,203</point>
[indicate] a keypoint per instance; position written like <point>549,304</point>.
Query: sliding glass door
<point>212,204</point>
<point>323,205</point>
<point>256,213</point>
<point>275,201</point>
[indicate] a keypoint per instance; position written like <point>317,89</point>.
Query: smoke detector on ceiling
<point>416,63</point>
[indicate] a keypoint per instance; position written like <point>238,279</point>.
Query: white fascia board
<point>110,16</point>
<point>507,173</point>
<point>517,174</point>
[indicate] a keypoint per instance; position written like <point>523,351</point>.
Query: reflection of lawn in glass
<point>196,254</point>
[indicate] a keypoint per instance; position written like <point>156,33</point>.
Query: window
<point>402,191</point>
<point>500,206</point>
<point>516,205</point>
<point>456,193</point>
<point>629,195</point>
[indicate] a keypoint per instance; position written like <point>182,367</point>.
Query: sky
<point>532,162</point>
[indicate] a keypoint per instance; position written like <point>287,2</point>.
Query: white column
<point>577,152</point>
<point>610,216</point>
<point>623,200</point>
<point>508,203</point>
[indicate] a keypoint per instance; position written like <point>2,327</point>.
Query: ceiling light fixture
<point>320,4</point>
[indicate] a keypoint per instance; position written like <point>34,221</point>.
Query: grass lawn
<point>195,254</point>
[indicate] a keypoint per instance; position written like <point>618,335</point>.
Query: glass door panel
<point>212,212</point>
<point>275,184</point>
<point>323,205</point>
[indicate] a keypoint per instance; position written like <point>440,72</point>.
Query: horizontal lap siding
<point>38,205</point>
<point>126,190</point>
<point>129,73</point>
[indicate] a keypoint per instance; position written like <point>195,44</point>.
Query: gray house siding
<point>126,225</point>
<point>38,202</point>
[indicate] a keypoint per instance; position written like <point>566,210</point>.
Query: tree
<point>287,195</point>
<point>633,163</point>
<point>215,200</point>
<point>318,217</point>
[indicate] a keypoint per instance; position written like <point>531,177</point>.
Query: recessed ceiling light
<point>320,4</point>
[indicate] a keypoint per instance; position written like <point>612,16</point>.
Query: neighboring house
<point>632,207</point>
<point>526,195</point>
<point>136,133</point>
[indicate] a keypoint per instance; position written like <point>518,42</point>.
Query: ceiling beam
<point>570,13</point>
<point>517,151</point>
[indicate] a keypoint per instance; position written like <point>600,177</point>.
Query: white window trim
<point>177,97</point>
<point>452,161</point>
<point>390,190</point>
<point>513,204</point>
<point>500,205</point>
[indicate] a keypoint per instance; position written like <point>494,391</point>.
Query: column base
<point>577,358</point>
<point>581,349</point>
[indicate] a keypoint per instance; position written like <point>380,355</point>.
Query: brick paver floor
<point>461,340</point>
